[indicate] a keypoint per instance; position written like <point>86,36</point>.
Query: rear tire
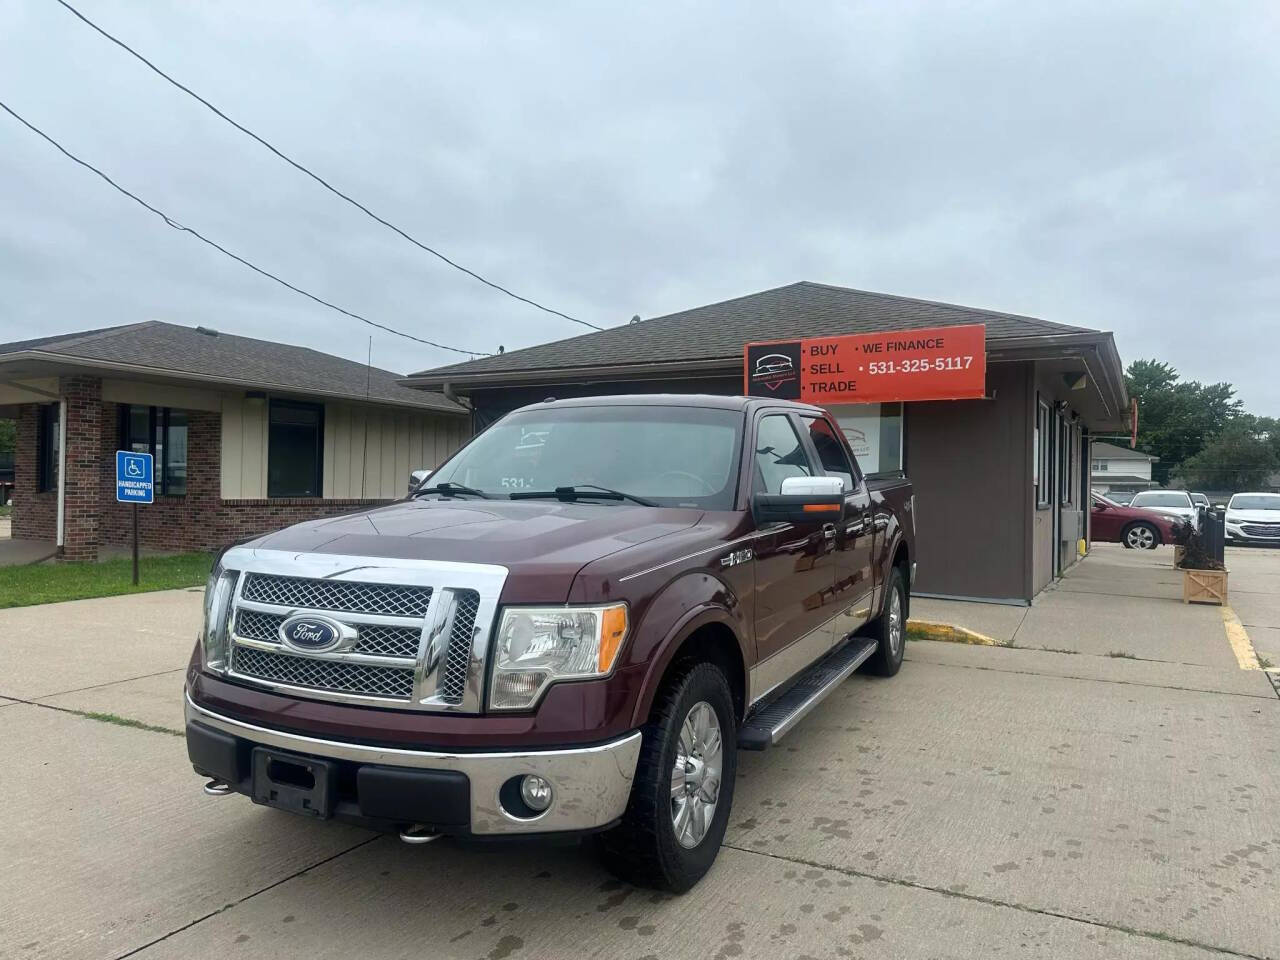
<point>890,628</point>
<point>654,845</point>
<point>1140,536</point>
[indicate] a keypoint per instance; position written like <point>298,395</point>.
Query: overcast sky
<point>1109,165</point>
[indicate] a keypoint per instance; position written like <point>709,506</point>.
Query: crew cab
<point>570,628</point>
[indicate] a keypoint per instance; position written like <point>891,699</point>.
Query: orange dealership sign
<point>940,363</point>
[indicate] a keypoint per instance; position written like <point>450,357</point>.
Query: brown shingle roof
<point>174,350</point>
<point>719,330</point>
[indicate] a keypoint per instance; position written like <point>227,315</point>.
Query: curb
<point>1238,637</point>
<point>948,633</point>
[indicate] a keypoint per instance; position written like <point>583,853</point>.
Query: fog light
<point>535,792</point>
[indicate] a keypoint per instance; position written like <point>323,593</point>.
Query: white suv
<point>1254,516</point>
<point>1176,503</point>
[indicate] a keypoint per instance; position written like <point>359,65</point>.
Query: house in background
<point>1115,469</point>
<point>247,435</point>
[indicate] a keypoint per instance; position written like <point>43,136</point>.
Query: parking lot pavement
<point>985,801</point>
<point>59,647</point>
<point>1254,592</point>
<point>107,844</point>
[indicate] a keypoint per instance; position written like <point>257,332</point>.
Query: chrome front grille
<point>1261,529</point>
<point>331,675</point>
<point>374,639</point>
<point>394,600</point>
<point>453,675</point>
<point>413,634</point>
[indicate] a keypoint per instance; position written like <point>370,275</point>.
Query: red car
<point>1135,527</point>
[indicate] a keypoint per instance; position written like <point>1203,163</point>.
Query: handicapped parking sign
<point>135,479</point>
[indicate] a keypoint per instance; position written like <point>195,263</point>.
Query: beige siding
<point>160,395</point>
<point>244,448</point>
<point>397,442</point>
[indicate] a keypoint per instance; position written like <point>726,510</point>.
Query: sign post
<point>135,484</point>
<point>942,363</point>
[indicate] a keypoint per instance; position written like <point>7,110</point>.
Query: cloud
<point>1103,166</point>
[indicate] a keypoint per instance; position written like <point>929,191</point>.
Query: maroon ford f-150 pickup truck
<point>570,628</point>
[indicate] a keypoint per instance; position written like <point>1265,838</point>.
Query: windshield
<point>1161,500</point>
<point>1255,501</point>
<point>674,456</point>
<point>1199,499</point>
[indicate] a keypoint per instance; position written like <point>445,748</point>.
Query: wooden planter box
<point>1204,586</point>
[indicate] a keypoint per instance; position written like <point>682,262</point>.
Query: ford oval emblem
<point>311,634</point>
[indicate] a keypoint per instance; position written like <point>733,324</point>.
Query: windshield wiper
<point>451,490</point>
<point>577,491</point>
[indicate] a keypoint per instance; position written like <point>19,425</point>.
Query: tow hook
<point>217,788</point>
<point>417,833</point>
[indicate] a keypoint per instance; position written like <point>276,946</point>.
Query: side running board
<point>771,723</point>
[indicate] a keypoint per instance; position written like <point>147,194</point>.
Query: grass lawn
<point>23,586</point>
<point>6,510</point>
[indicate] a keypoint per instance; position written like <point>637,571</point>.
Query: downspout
<point>62,470</point>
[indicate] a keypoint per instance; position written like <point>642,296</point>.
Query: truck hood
<point>543,543</point>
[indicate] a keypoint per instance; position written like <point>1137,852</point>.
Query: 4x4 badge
<point>737,557</point>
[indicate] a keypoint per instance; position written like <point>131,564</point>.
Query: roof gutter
<point>117,366</point>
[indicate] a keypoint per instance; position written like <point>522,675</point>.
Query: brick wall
<point>81,516</point>
<point>201,519</point>
<point>198,520</point>
<point>35,515</point>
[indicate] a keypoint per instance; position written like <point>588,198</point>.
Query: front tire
<point>1141,536</point>
<point>683,788</point>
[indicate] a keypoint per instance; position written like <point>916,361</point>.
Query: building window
<point>161,432</point>
<point>48,442</point>
<point>1100,466</point>
<point>295,449</point>
<point>1066,462</point>
<point>1043,454</point>
<point>874,432</point>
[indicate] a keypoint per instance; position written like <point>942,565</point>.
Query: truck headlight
<point>537,646</point>
<point>217,618</point>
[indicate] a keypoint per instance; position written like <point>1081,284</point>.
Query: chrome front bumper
<point>591,784</point>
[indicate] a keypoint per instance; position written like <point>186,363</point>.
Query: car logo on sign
<point>310,634</point>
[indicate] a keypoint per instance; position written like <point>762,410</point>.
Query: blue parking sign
<point>135,479</point>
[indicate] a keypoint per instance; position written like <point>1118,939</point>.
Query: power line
<point>217,246</point>
<point>317,178</point>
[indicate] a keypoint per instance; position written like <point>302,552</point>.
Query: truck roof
<point>716,401</point>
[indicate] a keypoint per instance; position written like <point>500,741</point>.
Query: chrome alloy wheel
<point>1141,538</point>
<point>895,622</point>
<point>695,776</point>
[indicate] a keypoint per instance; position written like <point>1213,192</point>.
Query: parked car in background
<point>1121,497</point>
<point>1254,516</point>
<point>1200,500</point>
<point>1175,503</point>
<point>1137,529</point>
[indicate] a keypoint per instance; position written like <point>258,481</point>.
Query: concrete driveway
<point>1053,803</point>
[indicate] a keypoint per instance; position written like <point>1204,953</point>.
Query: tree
<point>1237,459</point>
<point>7,431</point>
<point>1176,419</point>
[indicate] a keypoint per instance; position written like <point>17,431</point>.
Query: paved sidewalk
<point>987,801</point>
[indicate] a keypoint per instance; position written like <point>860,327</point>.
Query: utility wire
<point>319,179</point>
<point>217,246</point>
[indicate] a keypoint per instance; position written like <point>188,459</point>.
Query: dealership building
<point>1001,475</point>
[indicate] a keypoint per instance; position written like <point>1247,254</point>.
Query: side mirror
<point>801,500</point>
<point>1099,505</point>
<point>416,479</point>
